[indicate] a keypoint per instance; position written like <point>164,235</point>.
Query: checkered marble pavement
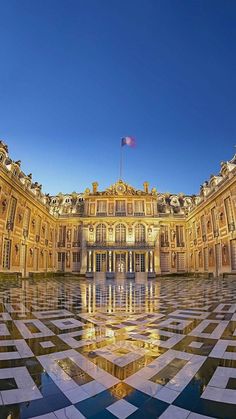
<point>74,348</point>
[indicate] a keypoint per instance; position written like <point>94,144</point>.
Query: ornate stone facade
<point>118,231</point>
<point>210,226</point>
<point>27,229</point>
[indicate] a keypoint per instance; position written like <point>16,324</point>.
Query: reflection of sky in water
<point>124,327</point>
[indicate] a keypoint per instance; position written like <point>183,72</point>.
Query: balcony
<point>101,214</point>
<point>139,214</point>
<point>120,213</point>
<point>167,214</point>
<point>109,245</point>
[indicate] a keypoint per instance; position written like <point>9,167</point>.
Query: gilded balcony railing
<point>121,245</point>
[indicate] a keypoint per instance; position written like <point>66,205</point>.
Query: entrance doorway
<point>180,262</point>
<point>233,254</point>
<point>100,262</point>
<point>46,260</point>
<point>140,262</point>
<point>205,259</point>
<point>61,261</point>
<point>36,259</point>
<point>23,260</point>
<point>218,258</point>
<point>120,262</point>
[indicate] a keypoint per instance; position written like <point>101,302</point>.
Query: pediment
<point>122,188</point>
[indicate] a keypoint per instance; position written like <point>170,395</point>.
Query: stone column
<point>94,261</point>
<point>84,235</point>
<point>114,261</point>
<point>156,231</point>
<point>146,262</point>
<point>90,260</point>
<point>109,261</point>
<point>150,268</point>
<point>126,261</point>
<point>130,261</point>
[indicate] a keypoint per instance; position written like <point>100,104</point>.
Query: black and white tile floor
<point>72,349</point>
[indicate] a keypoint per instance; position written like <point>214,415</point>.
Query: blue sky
<point>76,76</point>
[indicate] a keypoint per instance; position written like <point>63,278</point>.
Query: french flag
<point>130,141</point>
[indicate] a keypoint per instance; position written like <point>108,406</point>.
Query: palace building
<point>116,232</point>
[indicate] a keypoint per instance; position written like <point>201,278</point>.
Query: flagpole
<point>129,141</point>
<point>121,160</point>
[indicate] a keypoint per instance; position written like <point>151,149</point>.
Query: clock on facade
<point>120,188</point>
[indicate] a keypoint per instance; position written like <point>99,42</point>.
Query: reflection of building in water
<point>117,232</point>
<point>128,298</point>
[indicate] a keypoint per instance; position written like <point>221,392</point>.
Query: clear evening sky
<point>76,76</point>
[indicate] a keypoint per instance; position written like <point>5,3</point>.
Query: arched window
<point>120,233</point>
<point>101,233</point>
<point>139,233</point>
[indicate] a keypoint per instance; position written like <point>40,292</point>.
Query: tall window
<point>38,226</point>
<point>194,231</point>
<point>214,223</point>
<point>11,213</point>
<point>120,207</point>
<point>6,254</point>
<point>179,236</point>
<point>26,221</point>
<point>229,214</point>
<point>203,226</point>
<point>101,233</point>
<point>139,233</point>
<point>47,230</point>
<point>164,236</point>
<point>75,261</point>
<point>120,233</point>
<point>100,262</point>
<point>101,207</point>
<point>62,236</point>
<point>76,235</point>
<point>140,262</point>
<point>139,207</point>
<point>76,257</point>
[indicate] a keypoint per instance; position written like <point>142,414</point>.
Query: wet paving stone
<point>75,348</point>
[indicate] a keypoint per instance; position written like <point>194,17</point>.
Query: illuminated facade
<point>116,232</point>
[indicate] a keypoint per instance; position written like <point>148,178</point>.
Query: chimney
<point>145,187</point>
<point>95,187</point>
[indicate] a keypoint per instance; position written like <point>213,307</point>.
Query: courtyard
<point>74,348</point>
